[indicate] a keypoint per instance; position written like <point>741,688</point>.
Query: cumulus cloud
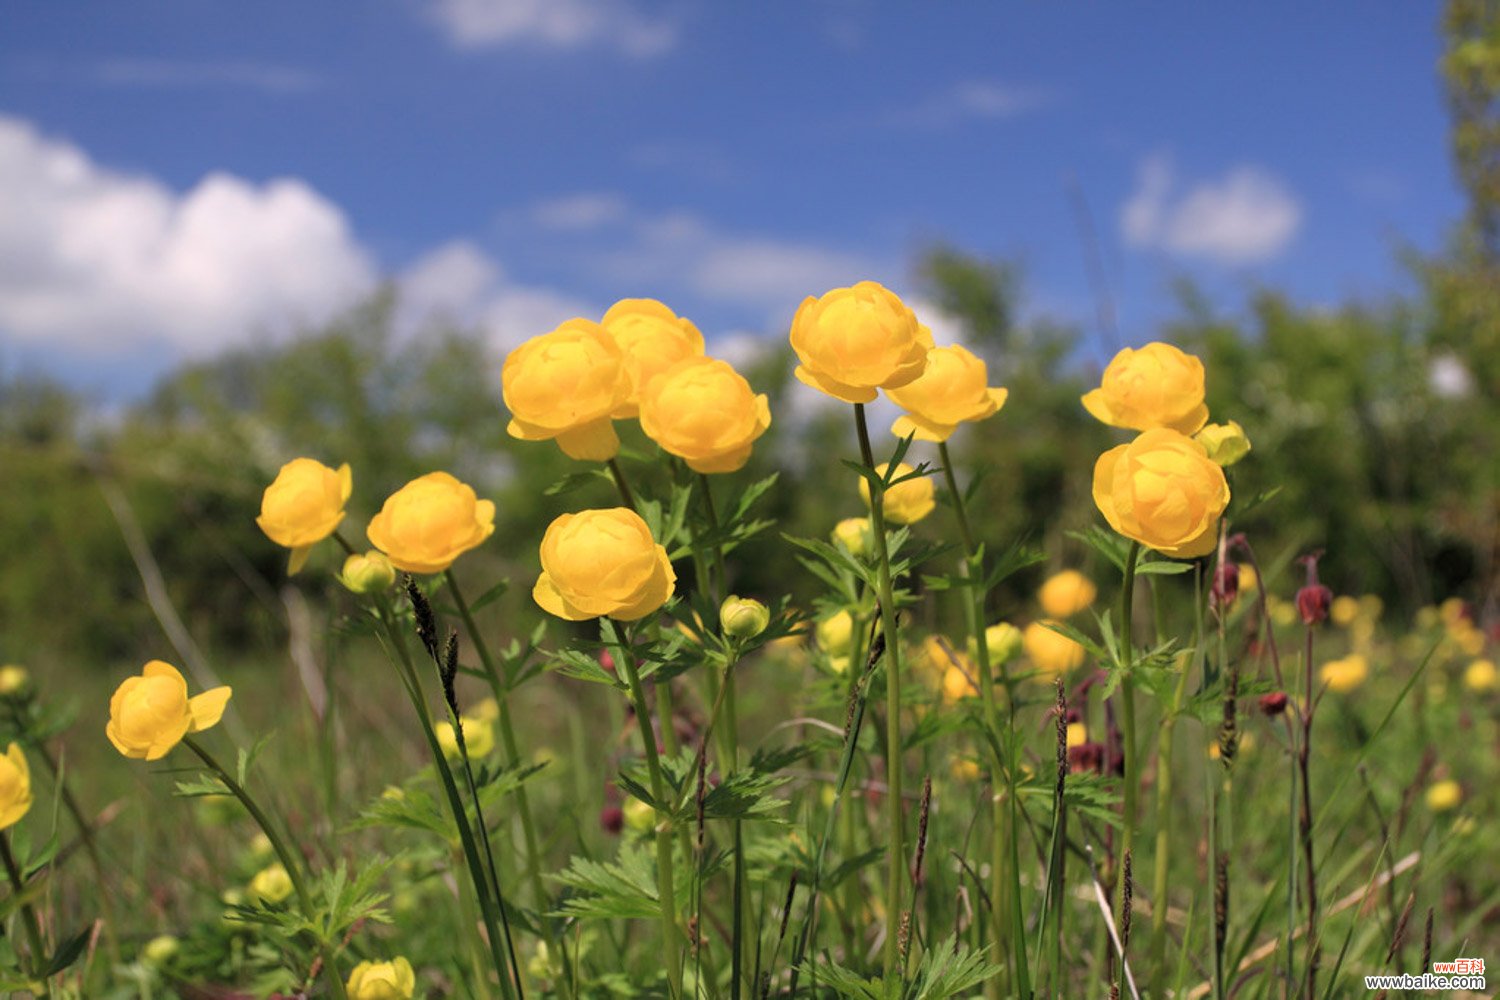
<point>98,259</point>
<point>554,24</point>
<point>1245,217</point>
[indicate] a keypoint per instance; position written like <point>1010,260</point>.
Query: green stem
<point>1164,792</point>
<point>621,484</point>
<point>32,923</point>
<point>1127,717</point>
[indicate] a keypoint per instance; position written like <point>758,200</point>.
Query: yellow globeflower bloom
<point>704,412</point>
<point>1162,491</point>
<point>431,521</point>
<point>271,884</point>
<point>15,787</point>
<point>835,633</point>
<point>1051,652</point>
<point>568,386</point>
<point>951,391</point>
<point>151,713</point>
<point>958,685</point>
<point>303,506</point>
<point>479,737</point>
<point>906,502</point>
<point>1156,386</point>
<point>1225,443</point>
<point>1065,594</point>
<point>602,562</point>
<point>854,533</point>
<point>14,680</point>
<point>1078,734</point>
<point>1444,795</point>
<point>1481,675</point>
<point>853,341</point>
<point>1345,674</point>
<point>393,980</point>
<point>652,339</point>
<point>1343,611</point>
<point>1003,641</point>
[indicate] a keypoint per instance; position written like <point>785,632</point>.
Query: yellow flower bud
<point>835,633</point>
<point>602,562</point>
<point>853,341</point>
<point>1065,594</point>
<point>1345,674</point>
<point>704,412</point>
<point>151,713</point>
<point>479,737</point>
<point>14,680</point>
<point>271,884</point>
<point>1162,491</point>
<point>1003,640</point>
<point>1481,675</point>
<point>1444,795</point>
<point>303,506</point>
<point>652,338</point>
<point>568,386</point>
<point>1051,652</point>
<point>907,502</point>
<point>950,391</point>
<point>743,617</point>
<point>1225,443</point>
<point>370,573</point>
<point>15,787</point>
<point>160,950</point>
<point>854,534</point>
<point>1156,386</point>
<point>431,521</point>
<point>392,980</point>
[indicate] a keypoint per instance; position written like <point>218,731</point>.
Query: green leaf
<point>489,596</point>
<point>575,481</point>
<point>67,953</point>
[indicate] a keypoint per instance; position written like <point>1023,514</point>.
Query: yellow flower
<point>652,339</point>
<point>1066,593</point>
<point>368,574</point>
<point>486,709</point>
<point>392,980</point>
<point>638,815</point>
<point>15,787</point>
<point>835,633</point>
<point>964,769</point>
<point>839,664</point>
<point>1481,675</point>
<point>1156,386</point>
<point>151,713</point>
<point>568,386</point>
<point>271,884</point>
<point>949,392</point>
<point>854,534</point>
<point>1343,611</point>
<point>1051,652</point>
<point>1078,734</point>
<point>1003,641</point>
<point>853,341</point>
<point>743,617</point>
<point>1469,639</point>
<point>1444,795</point>
<point>906,502</point>
<point>1345,674</point>
<point>1244,744</point>
<point>303,506</point>
<point>431,521</point>
<point>1248,578</point>
<point>160,950</point>
<point>602,562</point>
<point>1162,491</point>
<point>14,679</point>
<point>957,685</point>
<point>1225,443</point>
<point>704,412</point>
<point>479,737</point>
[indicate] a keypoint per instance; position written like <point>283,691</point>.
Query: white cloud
<point>554,24</point>
<point>167,73</point>
<point>94,258</point>
<point>973,99</point>
<point>587,210</point>
<point>1245,217</point>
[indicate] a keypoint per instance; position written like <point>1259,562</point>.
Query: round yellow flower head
<point>853,341</point>
<point>602,562</point>
<point>1065,594</point>
<point>393,980</point>
<point>1345,674</point>
<point>835,633</point>
<point>1444,795</point>
<point>1343,610</point>
<point>704,412</point>
<point>271,884</point>
<point>1225,443</point>
<point>952,390</point>
<point>431,521</point>
<point>479,737</point>
<point>1078,734</point>
<point>1162,491</point>
<point>743,617</point>
<point>906,502</point>
<point>1249,579</point>
<point>370,573</point>
<point>854,534</point>
<point>15,787</point>
<point>14,680</point>
<point>151,713</point>
<point>486,709</point>
<point>652,339</point>
<point>1481,675</point>
<point>160,950</point>
<point>303,506</point>
<point>1049,651</point>
<point>568,386</point>
<point>1156,386</point>
<point>1003,641</point>
<point>957,685</point>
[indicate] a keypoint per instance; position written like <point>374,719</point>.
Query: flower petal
<point>208,708</point>
<point>595,441</point>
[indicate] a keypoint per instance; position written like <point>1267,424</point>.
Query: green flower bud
<point>743,617</point>
<point>368,574</point>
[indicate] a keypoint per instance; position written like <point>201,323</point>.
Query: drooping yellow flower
<point>1163,491</point>
<point>303,505</point>
<point>652,339</point>
<point>1051,652</point>
<point>854,534</point>
<point>704,412</point>
<point>951,391</point>
<point>906,502</point>
<point>602,562</point>
<point>15,787</point>
<point>1225,443</point>
<point>151,713</point>
<point>1444,795</point>
<point>479,737</point>
<point>853,341</point>
<point>271,884</point>
<point>1481,675</point>
<point>1156,386</point>
<point>568,385</point>
<point>369,573</point>
<point>393,980</point>
<point>1065,594</point>
<point>835,633</point>
<point>1345,674</point>
<point>431,521</point>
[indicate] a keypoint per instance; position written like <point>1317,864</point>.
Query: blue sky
<point>180,176</point>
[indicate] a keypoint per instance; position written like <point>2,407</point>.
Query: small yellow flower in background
<point>1049,651</point>
<point>1371,607</point>
<point>431,521</point>
<point>602,562</point>
<point>15,787</point>
<point>835,633</point>
<point>151,713</point>
<point>952,390</point>
<point>704,412</point>
<point>1452,611</point>
<point>368,574</point>
<point>1481,675</point>
<point>14,680</point>
<point>743,617</point>
<point>652,338</point>
<point>1065,594</point>
<point>958,685</point>
<point>933,658</point>
<point>1444,795</point>
<point>271,884</point>
<point>854,534</point>
<point>393,980</point>
<point>1003,641</point>
<point>906,502</point>
<point>568,386</point>
<point>964,769</point>
<point>1345,674</point>
<point>839,664</point>
<point>639,816</point>
<point>260,846</point>
<point>1468,639</point>
<point>479,737</point>
<point>1249,579</point>
<point>1156,386</point>
<point>1244,744</point>
<point>1162,491</point>
<point>1283,613</point>
<point>486,709</point>
<point>1343,611</point>
<point>853,341</point>
<point>1078,734</point>
<point>1225,443</point>
<point>304,505</point>
<point>160,950</point>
